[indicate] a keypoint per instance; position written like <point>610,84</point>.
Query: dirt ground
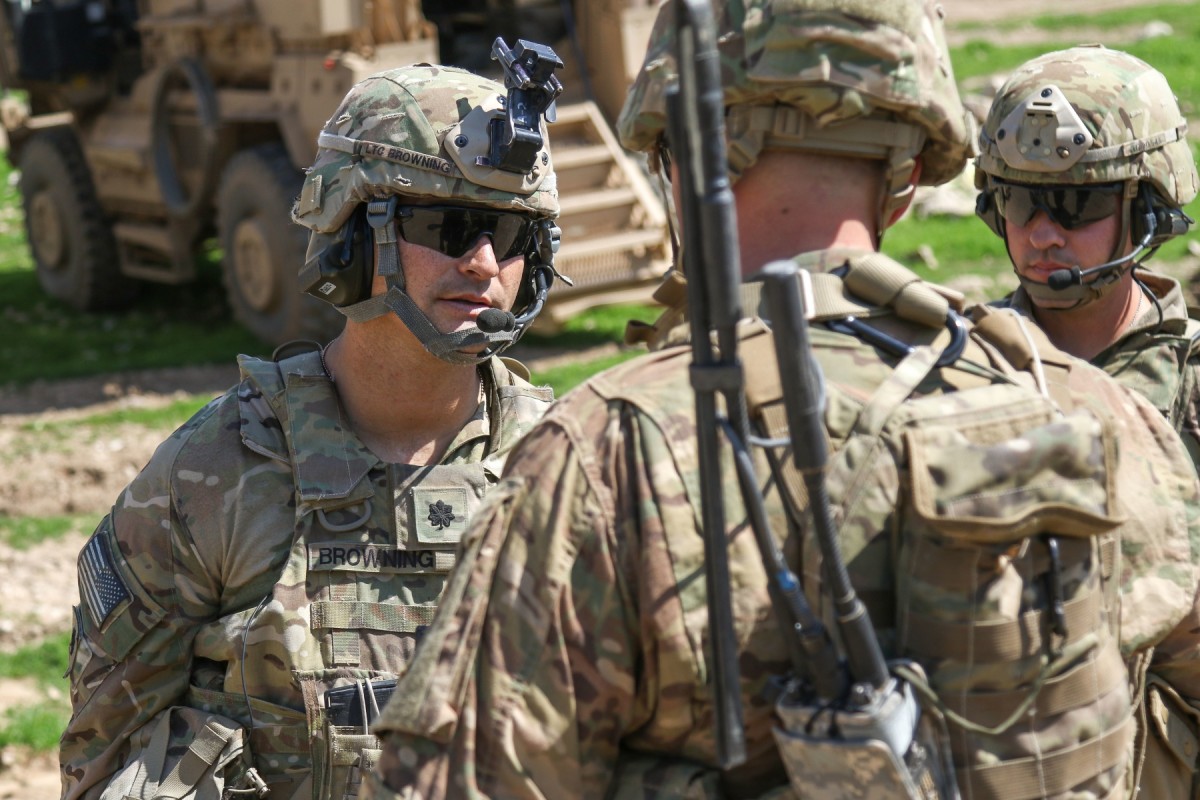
<point>47,474</point>
<point>43,472</point>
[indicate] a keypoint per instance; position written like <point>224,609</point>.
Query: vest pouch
<point>278,738</point>
<point>342,754</point>
<point>1058,477</point>
<point>186,754</point>
<point>350,755</point>
<point>1007,597</point>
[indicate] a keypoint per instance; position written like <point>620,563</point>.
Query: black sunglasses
<point>454,230</point>
<point>1069,207</point>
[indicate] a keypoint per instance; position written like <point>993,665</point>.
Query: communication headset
<point>1151,223</point>
<point>346,270</point>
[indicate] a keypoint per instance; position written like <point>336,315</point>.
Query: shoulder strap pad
<point>518,404</point>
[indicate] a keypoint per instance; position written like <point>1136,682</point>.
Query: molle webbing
<point>1050,774</point>
<point>355,615</point>
<point>957,567</point>
<point>1075,688</point>
<point>974,607</point>
<point>992,641</point>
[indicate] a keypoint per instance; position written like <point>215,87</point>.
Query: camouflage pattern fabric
<point>401,127</point>
<point>1160,362</point>
<point>203,585</point>
<point>878,59</point>
<point>1126,107</point>
<point>569,656</point>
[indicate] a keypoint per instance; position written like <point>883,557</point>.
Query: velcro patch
<point>102,586</point>
<point>333,556</point>
<point>311,196</point>
<point>441,514</point>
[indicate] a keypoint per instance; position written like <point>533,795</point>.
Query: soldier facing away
<point>1023,570</point>
<point>1085,168</point>
<point>247,604</point>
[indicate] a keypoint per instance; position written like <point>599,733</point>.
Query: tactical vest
<point>1156,363</point>
<point>1003,553</point>
<point>371,551</point>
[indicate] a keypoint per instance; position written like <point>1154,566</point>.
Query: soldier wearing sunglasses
<point>247,605</point>
<point>1084,169</point>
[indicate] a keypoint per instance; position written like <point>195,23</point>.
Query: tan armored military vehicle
<point>147,127</point>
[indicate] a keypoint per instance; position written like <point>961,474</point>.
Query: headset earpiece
<point>1149,214</point>
<point>539,263</point>
<point>986,210</point>
<point>345,268</point>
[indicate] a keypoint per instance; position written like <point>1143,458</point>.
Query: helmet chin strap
<point>446,346</point>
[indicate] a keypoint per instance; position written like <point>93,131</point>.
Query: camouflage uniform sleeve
<point>526,682</point>
<point>142,590</point>
<point>1189,417</point>
<point>1177,655</point>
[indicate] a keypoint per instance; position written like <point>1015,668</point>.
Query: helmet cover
<point>1088,115</point>
<point>843,63</point>
<point>419,132</point>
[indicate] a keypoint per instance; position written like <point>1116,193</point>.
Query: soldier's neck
<point>790,203</point>
<point>405,405</point>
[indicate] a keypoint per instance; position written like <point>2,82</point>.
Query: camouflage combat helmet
<point>1114,117</point>
<point>1091,115</point>
<point>416,134</point>
<point>865,78</point>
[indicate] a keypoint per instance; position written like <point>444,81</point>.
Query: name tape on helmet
<point>385,152</point>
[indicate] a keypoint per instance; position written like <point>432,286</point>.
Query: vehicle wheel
<point>264,249</point>
<point>73,247</point>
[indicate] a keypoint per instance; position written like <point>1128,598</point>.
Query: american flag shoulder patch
<point>101,585</point>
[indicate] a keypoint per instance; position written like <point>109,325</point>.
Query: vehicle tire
<point>74,252</point>
<point>263,249</point>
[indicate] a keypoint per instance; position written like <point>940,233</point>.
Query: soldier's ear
<point>913,180</point>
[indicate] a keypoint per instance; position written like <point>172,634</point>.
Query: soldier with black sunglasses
<point>1084,170</point>
<point>245,609</point>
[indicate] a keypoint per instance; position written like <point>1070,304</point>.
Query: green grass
<point>38,724</point>
<point>1176,55</point>
<point>566,377</point>
<point>45,662</point>
<point>22,533</point>
<point>962,246</point>
<point>166,418</point>
<point>593,327</point>
<point>38,727</point>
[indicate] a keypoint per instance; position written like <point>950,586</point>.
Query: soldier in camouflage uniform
<point>570,655</point>
<point>1101,193</point>
<point>247,603</point>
